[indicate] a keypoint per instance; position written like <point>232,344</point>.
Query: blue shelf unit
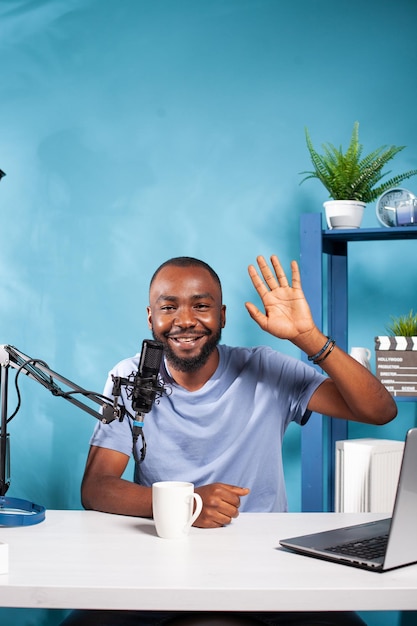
<point>316,247</point>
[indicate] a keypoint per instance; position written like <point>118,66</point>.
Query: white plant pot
<point>344,213</point>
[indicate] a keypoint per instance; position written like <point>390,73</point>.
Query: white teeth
<point>185,339</point>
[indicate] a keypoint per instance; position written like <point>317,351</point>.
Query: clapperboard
<point>396,364</point>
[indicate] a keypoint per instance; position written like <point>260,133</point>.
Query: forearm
<point>354,392</point>
<point>111,494</point>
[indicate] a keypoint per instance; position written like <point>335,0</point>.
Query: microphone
<point>145,386</point>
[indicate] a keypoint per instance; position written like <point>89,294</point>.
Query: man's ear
<point>223,316</point>
<point>149,314</point>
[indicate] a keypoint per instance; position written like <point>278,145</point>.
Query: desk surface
<point>85,559</point>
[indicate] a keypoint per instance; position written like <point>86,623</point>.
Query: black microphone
<point>145,385</point>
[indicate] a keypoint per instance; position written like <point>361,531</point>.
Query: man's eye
<point>202,307</point>
<point>167,307</point>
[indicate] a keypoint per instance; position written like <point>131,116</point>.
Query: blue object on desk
<point>19,512</point>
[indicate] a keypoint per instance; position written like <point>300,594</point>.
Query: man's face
<point>187,315</point>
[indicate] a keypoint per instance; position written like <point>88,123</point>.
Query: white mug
<point>362,355</point>
<point>173,504</point>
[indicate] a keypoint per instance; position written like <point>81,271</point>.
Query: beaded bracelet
<point>324,348</point>
<point>333,343</point>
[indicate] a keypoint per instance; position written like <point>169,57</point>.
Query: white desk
<point>85,559</point>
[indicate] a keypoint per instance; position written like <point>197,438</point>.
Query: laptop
<point>379,545</point>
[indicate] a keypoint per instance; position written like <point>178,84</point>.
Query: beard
<point>192,364</point>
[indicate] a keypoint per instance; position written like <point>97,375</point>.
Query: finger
<point>225,513</point>
<point>257,281</point>
<point>280,274</point>
<point>242,491</point>
<point>266,272</point>
<point>232,501</point>
<point>220,515</point>
<point>234,495</point>
<point>296,278</point>
<point>256,315</point>
<point>206,521</point>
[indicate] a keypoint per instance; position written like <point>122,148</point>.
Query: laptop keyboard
<point>366,549</point>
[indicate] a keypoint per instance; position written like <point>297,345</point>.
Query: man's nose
<point>185,317</point>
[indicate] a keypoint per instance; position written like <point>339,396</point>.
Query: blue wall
<point>135,130</point>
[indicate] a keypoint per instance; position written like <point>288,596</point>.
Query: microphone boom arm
<point>142,389</point>
<point>38,370</point>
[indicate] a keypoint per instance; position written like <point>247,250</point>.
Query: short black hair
<point>187,261</point>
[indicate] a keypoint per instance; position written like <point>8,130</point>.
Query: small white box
<point>4,558</point>
<point>367,472</point>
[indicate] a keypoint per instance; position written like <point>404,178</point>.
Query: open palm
<point>287,314</point>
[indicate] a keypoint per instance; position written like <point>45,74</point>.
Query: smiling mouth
<point>185,339</point>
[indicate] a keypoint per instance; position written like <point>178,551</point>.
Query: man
<point>221,426</point>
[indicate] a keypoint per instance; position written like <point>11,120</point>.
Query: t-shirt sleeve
<point>295,383</point>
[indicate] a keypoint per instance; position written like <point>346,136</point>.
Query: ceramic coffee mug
<point>173,503</point>
<point>362,355</point>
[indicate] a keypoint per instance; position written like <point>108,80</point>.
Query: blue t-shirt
<point>228,431</point>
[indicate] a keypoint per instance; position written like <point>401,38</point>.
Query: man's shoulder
<point>261,357</point>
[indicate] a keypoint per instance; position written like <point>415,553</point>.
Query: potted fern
<point>351,178</point>
<point>396,355</point>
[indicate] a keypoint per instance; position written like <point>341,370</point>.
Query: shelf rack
<point>315,245</point>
